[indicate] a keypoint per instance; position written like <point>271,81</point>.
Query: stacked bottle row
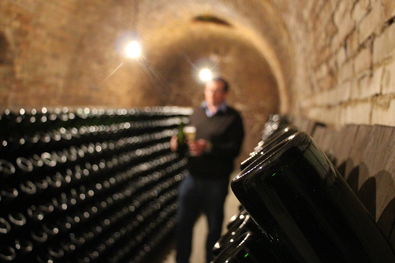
<point>97,188</point>
<point>297,208</point>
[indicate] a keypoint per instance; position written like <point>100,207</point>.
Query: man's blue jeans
<point>196,196</point>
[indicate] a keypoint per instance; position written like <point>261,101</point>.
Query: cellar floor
<point>200,230</point>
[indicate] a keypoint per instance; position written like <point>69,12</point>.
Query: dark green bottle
<point>294,192</point>
<point>181,140</point>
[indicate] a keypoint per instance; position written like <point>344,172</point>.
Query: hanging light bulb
<point>206,74</point>
<point>133,49</point>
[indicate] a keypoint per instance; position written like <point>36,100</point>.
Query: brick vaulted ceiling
<point>68,49</point>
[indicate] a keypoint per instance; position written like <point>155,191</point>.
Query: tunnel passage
<point>327,61</point>
<point>253,92</point>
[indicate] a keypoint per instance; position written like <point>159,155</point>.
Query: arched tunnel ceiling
<point>167,27</point>
<point>256,22</point>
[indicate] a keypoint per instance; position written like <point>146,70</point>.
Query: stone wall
<point>37,46</point>
<point>42,39</point>
<point>345,57</point>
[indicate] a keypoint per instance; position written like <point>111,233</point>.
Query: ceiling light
<point>206,74</point>
<point>133,49</point>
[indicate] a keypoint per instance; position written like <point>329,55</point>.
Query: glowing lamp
<point>133,49</point>
<point>205,74</point>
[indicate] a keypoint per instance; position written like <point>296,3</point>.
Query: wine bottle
<point>269,143</point>
<point>296,192</point>
<point>248,247</point>
<point>182,146</point>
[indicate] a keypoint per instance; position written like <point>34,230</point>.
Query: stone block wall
<point>345,59</point>
<point>58,53</point>
<point>37,47</point>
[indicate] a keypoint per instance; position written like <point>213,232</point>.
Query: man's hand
<point>197,148</point>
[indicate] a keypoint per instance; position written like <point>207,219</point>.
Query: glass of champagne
<point>190,135</point>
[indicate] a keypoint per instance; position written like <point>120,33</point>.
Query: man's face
<point>214,93</point>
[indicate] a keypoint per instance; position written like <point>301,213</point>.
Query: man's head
<point>216,91</point>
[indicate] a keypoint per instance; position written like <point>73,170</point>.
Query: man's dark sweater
<point>225,132</point>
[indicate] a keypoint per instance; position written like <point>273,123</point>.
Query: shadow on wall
<point>367,194</point>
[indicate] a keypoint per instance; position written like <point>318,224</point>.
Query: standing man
<point>219,135</point>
